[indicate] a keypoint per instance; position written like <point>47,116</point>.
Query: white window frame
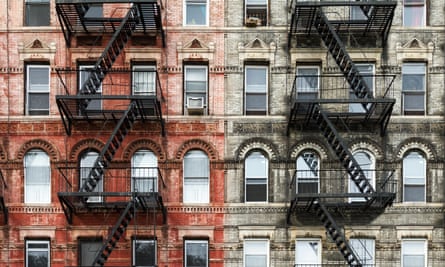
<point>409,69</point>
<point>364,249</point>
<point>29,4</point>
<point>195,242</point>
<point>151,242</point>
<point>186,3</point>
<point>196,188</point>
<point>256,247</point>
<point>37,89</point>
<point>147,83</point>
<point>408,16</point>
<point>256,178</point>
<point>37,192</point>
<point>308,92</point>
<point>144,171</point>
<point>204,69</point>
<point>256,89</point>
<point>367,70</point>
<point>39,250</point>
<point>420,249</point>
<point>257,4</point>
<point>369,172</point>
<point>86,162</point>
<point>304,172</point>
<point>301,243</point>
<point>416,181</point>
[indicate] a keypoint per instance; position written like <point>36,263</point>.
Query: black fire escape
<point>3,207</point>
<point>335,24</point>
<point>124,21</point>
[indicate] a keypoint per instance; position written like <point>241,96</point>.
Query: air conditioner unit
<point>195,105</point>
<point>253,22</point>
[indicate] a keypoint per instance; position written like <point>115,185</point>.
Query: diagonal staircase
<point>311,161</point>
<point>109,55</point>
<point>115,234</point>
<point>122,128</point>
<point>336,234</point>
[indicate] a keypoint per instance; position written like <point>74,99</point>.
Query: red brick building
<point>112,136</point>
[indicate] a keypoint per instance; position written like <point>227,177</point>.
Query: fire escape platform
<point>376,17</point>
<point>76,20</point>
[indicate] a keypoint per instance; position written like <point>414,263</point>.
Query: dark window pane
<point>38,259</point>
<point>37,13</point>
<point>145,253</point>
<point>413,102</point>
<point>415,193</point>
<point>256,192</point>
<point>38,104</point>
<point>196,254</point>
<point>256,102</point>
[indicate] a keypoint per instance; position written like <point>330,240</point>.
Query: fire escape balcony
<point>118,187</point>
<point>98,17</point>
<point>3,207</point>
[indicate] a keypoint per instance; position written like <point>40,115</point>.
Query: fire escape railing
<point>3,207</point>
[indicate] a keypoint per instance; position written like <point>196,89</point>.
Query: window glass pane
<point>196,177</point>
<point>196,12</point>
<point>307,252</point>
<point>144,80</point>
<point>414,14</point>
<point>196,164</point>
<point>255,253</point>
<point>256,102</point>
<point>144,253</point>
<point>414,193</point>
<point>256,165</point>
<point>196,253</point>
<point>414,253</point>
<point>37,253</point>
<point>307,79</point>
<point>256,79</point>
<point>144,171</point>
<point>86,163</point>
<point>37,177</point>
<point>88,251</point>
<point>364,249</point>
<point>256,190</point>
<point>37,13</point>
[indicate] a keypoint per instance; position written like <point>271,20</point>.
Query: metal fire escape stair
<point>336,234</point>
<point>122,128</point>
<point>115,234</point>
<point>109,55</point>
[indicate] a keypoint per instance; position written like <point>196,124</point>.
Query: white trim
<point>47,250</point>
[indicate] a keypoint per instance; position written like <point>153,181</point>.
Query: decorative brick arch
<point>309,144</point>
<point>196,144</point>
<point>257,143</point>
<point>144,144</point>
<point>84,145</point>
<point>40,144</point>
<point>417,144</point>
<point>369,145</point>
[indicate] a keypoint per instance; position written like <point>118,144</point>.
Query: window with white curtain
<point>256,177</point>
<point>37,89</point>
<point>308,172</point>
<point>307,252</point>
<point>414,253</point>
<point>414,177</point>
<point>144,171</point>
<point>256,253</point>
<point>37,177</point>
<point>308,82</point>
<point>366,162</point>
<point>364,249</point>
<point>87,161</point>
<point>196,177</point>
<point>144,80</point>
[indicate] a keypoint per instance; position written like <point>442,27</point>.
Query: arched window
<point>144,171</point>
<point>308,173</point>
<point>256,177</point>
<point>414,177</point>
<point>366,162</point>
<point>37,177</point>
<point>87,161</point>
<point>196,177</point>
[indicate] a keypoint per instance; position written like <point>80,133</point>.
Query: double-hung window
<point>84,75</point>
<point>144,253</point>
<point>87,161</point>
<point>196,253</point>
<point>88,249</point>
<point>413,88</point>
<point>256,12</point>
<point>364,249</point>
<point>196,177</point>
<point>38,85</point>
<point>144,171</point>
<point>195,89</point>
<point>414,253</point>
<point>414,13</point>
<point>307,82</point>
<point>366,71</point>
<point>307,252</point>
<point>307,176</point>
<point>144,80</point>
<point>38,253</point>
<point>256,253</point>
<point>196,12</point>
<point>256,177</point>
<point>37,177</point>
<point>414,177</point>
<point>255,86</point>
<point>37,13</point>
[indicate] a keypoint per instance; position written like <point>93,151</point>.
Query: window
<point>256,12</point>
<point>364,249</point>
<point>37,84</point>
<point>414,253</point>
<point>414,177</point>
<point>88,249</point>
<point>37,177</point>
<point>87,161</point>
<point>196,253</point>
<point>366,163</point>
<point>307,252</point>
<point>195,89</point>
<point>196,13</point>
<point>414,13</point>
<point>357,13</point>
<point>413,88</point>
<point>256,253</point>
<point>367,72</point>
<point>256,176</point>
<point>308,166</point>
<point>256,90</point>
<point>37,253</point>
<point>144,253</point>
<point>84,74</point>
<point>196,177</point>
<point>144,80</point>
<point>144,171</point>
<point>37,13</point>
<point>308,80</point>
